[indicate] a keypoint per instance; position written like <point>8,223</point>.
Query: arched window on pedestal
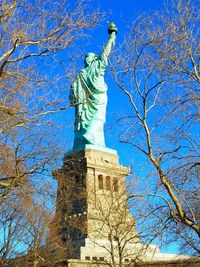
<point>108,183</point>
<point>100,181</point>
<point>115,185</point>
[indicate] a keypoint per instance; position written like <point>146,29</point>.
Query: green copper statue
<point>88,94</point>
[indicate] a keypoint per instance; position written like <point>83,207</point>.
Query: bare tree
<point>33,36</point>
<point>24,225</point>
<point>112,229</point>
<point>158,69</point>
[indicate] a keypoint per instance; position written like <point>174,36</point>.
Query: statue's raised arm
<point>89,96</point>
<point>112,30</point>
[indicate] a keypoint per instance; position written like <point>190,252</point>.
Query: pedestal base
<point>103,251</point>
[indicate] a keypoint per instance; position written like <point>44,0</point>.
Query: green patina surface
<point>88,94</point>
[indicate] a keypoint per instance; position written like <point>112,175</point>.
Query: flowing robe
<point>89,96</point>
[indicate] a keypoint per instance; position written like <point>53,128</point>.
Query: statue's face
<point>89,58</point>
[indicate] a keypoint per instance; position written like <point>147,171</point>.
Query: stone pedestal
<point>92,201</point>
<point>93,222</point>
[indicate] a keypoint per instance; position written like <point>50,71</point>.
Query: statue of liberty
<point>88,95</point>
